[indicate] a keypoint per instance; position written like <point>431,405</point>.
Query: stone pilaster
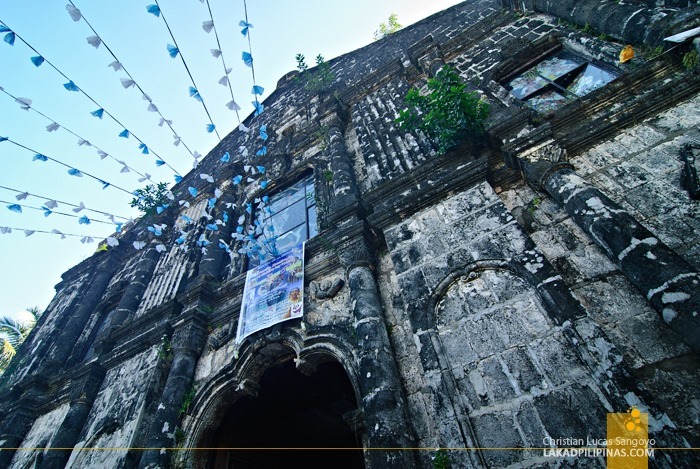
<point>669,283</point>
<point>75,326</point>
<point>19,419</point>
<point>187,343</point>
<point>383,403</point>
<point>345,193</point>
<point>84,389</point>
<point>132,296</point>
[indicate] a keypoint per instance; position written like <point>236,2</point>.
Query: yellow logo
<point>628,440</point>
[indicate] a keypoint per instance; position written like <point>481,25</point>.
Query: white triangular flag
<point>207,26</point>
<point>94,41</point>
<point>116,65</point>
<point>127,82</point>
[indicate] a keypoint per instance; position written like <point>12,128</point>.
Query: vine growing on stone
<point>446,112</point>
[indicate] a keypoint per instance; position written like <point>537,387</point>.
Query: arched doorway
<point>291,411</point>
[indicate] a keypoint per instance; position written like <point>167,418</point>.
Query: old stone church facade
<point>507,294</point>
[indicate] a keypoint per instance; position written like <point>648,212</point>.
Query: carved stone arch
<point>242,378</point>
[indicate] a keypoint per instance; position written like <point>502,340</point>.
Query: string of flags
<point>71,170</point>
<point>26,104</point>
<point>100,112</point>
<point>174,51</point>
<point>215,214</point>
<point>29,232</point>
<point>208,26</point>
<point>51,203</point>
<point>128,82</point>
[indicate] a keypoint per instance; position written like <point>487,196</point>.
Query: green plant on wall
<point>446,113</point>
<point>691,59</point>
<point>318,80</point>
<point>150,197</point>
<point>441,460</point>
<point>390,27</point>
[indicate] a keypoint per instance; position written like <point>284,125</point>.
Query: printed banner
<point>274,292</point>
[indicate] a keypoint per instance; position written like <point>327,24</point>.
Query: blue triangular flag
<point>195,94</point>
<point>4,29</point>
<point>212,227</point>
<point>37,60</point>
<point>160,209</point>
<point>193,191</point>
<point>259,90</point>
<point>2,139</point>
<point>237,180</point>
<point>124,133</point>
<point>160,163</point>
<point>46,210</point>
<point>84,220</point>
<point>105,184</point>
<point>262,151</point>
<point>259,108</point>
<point>247,58</point>
<point>143,148</point>
<point>98,113</point>
<point>15,208</point>
<point>178,178</point>
<point>263,132</point>
<point>70,86</point>
<point>75,172</point>
<point>263,184</point>
<point>261,170</point>
<point>39,157</point>
<point>173,51</point>
<point>245,25</point>
<point>10,38</point>
<point>211,128</point>
<point>226,158</point>
<point>153,9</point>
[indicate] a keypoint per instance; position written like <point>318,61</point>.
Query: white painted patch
<point>166,427</point>
<point>669,315</point>
<point>636,242</point>
<point>674,297</point>
<point>161,406</point>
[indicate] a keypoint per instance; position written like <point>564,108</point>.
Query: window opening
<point>558,79</point>
<point>288,218</point>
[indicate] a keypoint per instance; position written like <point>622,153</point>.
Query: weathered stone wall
<point>467,308</point>
<point>39,437</point>
<point>117,412</point>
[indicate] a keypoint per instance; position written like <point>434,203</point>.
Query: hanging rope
<point>194,91</point>
<point>71,86</point>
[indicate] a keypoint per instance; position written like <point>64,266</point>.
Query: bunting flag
<point>195,94</point>
<point>172,51</point>
<point>70,86</point>
<point>245,25</point>
<point>98,113</point>
<point>259,108</point>
<point>124,133</point>
<point>73,12</point>
<point>116,65</point>
<point>225,158</point>
<point>153,9</point>
<point>263,132</point>
<point>247,58</point>
<point>94,41</point>
<point>207,26</point>
<point>258,90</point>
<point>37,60</point>
<point>211,128</point>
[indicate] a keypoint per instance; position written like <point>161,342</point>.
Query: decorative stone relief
<point>326,289</point>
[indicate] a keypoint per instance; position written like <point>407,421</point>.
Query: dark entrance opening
<point>292,411</point>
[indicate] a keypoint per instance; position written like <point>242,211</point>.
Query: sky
<point>30,266</point>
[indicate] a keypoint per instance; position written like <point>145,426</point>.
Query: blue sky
<point>32,265</point>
